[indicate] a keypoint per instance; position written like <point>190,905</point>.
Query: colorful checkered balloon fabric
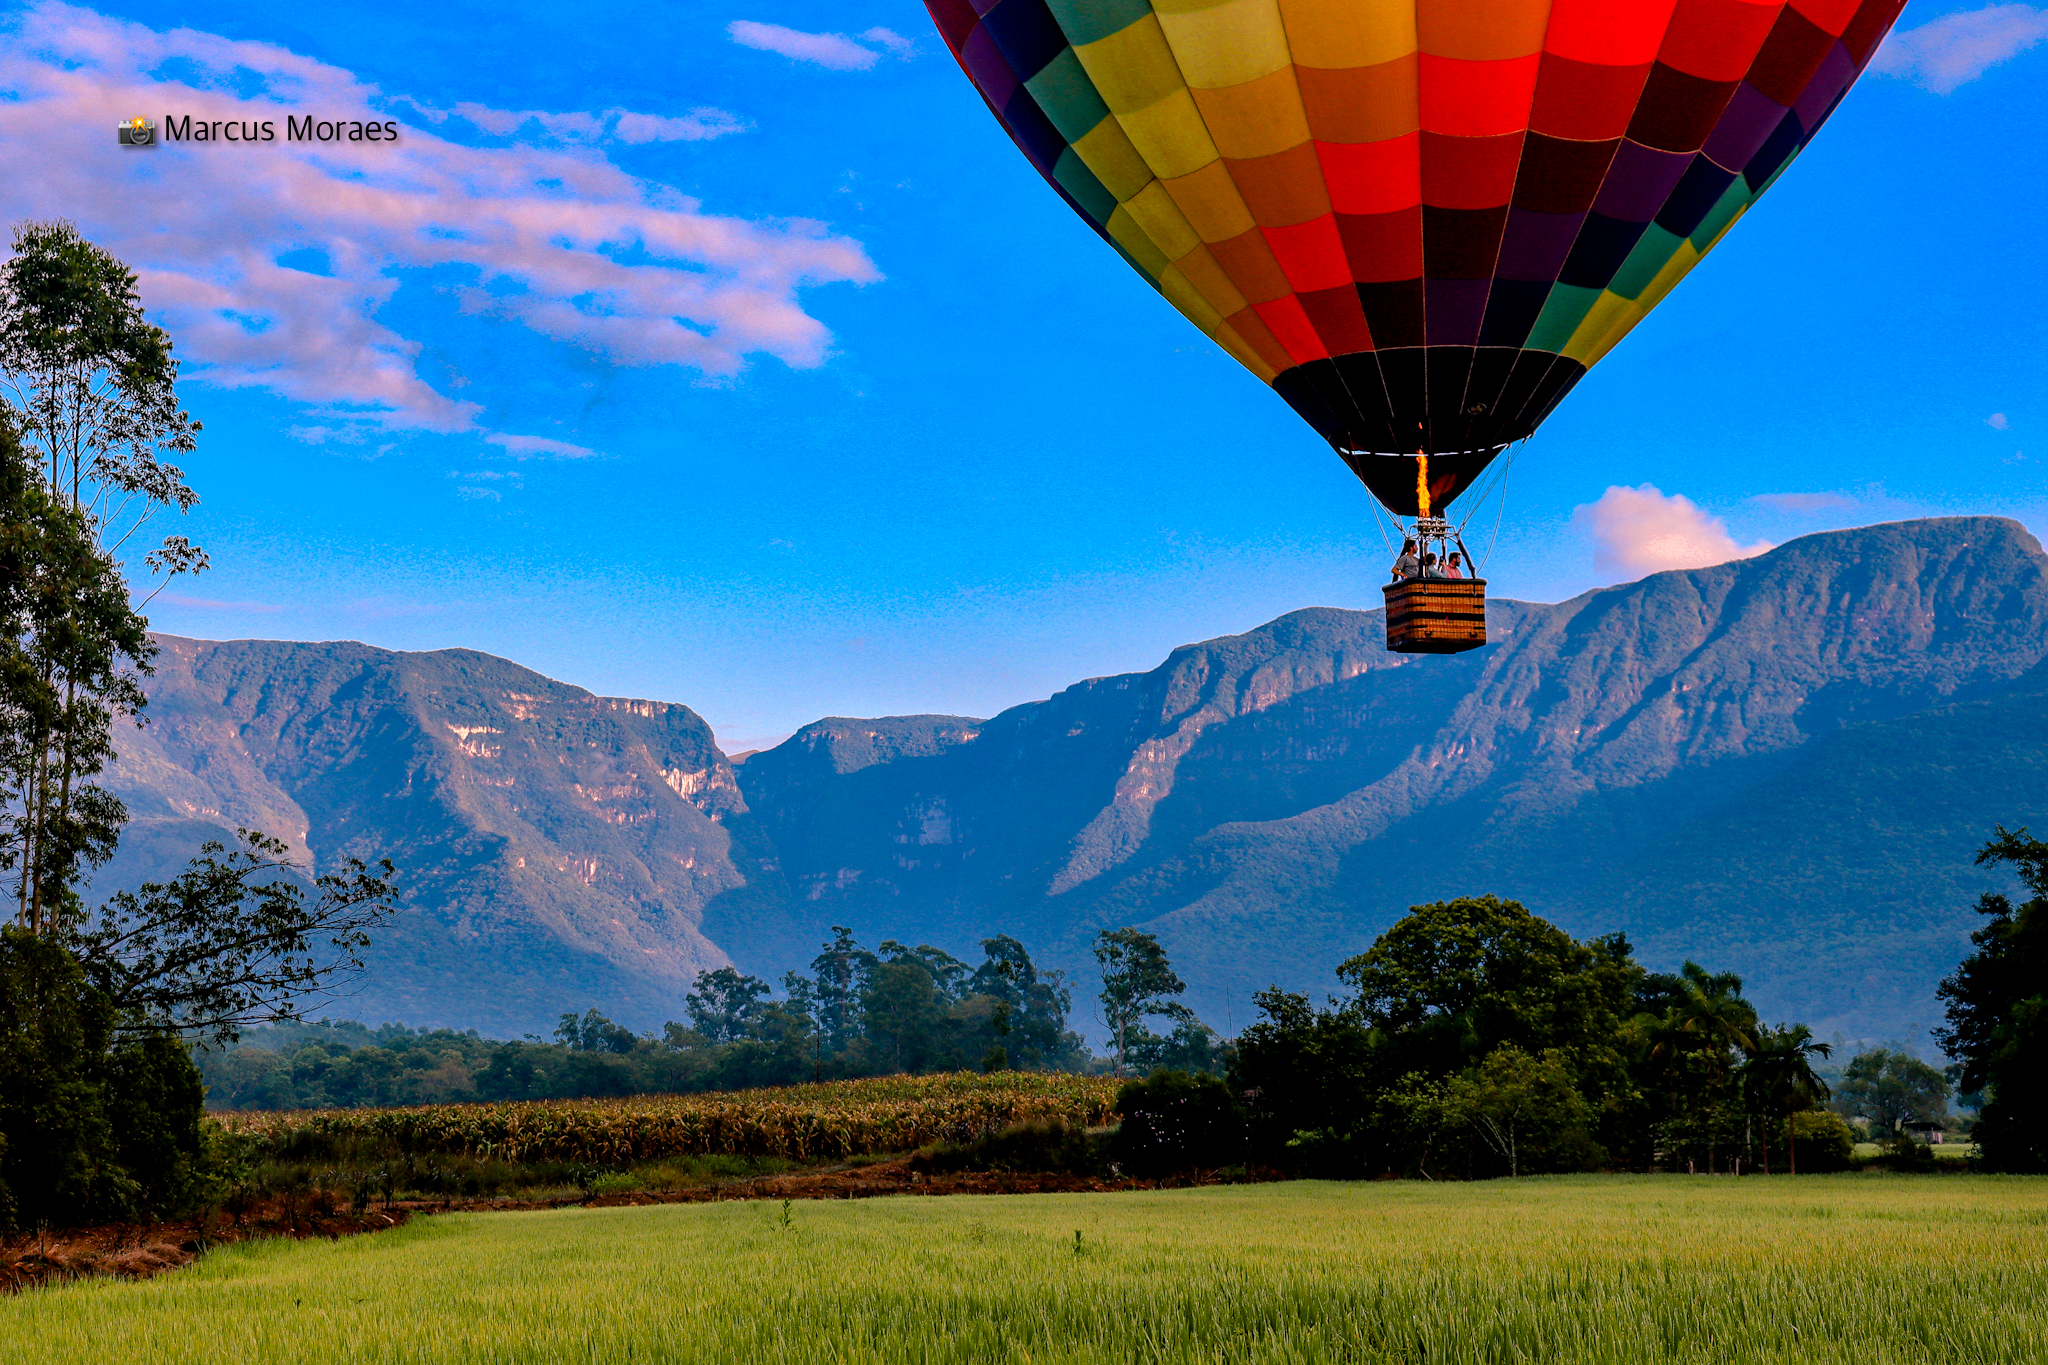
<point>1419,220</point>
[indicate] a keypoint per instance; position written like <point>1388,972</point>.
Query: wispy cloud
<point>839,51</point>
<point>588,129</point>
<point>1638,531</point>
<point>1804,504</point>
<point>555,238</point>
<point>1996,421</point>
<point>1958,48</point>
<point>531,447</point>
<point>178,599</point>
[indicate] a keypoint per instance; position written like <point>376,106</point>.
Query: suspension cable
<point>1380,524</point>
<point>1500,511</point>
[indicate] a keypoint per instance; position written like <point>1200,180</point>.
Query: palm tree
<point>1779,1075</point>
<point>1709,1017</point>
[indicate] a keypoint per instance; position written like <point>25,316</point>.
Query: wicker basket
<point>1436,615</point>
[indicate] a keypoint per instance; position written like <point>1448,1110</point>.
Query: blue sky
<point>925,444</point>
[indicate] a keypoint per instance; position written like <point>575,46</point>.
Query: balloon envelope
<point>1419,220</point>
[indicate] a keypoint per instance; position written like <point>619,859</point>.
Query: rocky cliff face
<point>1782,766</point>
<point>556,847</point>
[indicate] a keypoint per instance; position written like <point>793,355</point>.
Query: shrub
<point>1040,1145</point>
<point>1902,1153</point>
<point>1174,1121</point>
<point>1822,1142</point>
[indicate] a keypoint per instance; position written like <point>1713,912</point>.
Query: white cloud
<point>588,129</point>
<point>1958,48</point>
<point>892,40</point>
<point>540,236</point>
<point>1638,531</point>
<point>699,125</point>
<point>1996,421</point>
<point>527,447</point>
<point>834,50</point>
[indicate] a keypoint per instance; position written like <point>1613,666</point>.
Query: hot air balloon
<point>1420,221</point>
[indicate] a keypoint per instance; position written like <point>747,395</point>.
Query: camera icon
<point>136,132</point>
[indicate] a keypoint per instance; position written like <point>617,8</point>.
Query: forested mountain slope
<point>1781,765</point>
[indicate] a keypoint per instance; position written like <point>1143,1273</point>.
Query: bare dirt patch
<point>140,1250</point>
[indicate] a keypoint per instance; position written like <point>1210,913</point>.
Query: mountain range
<point>1780,766</point>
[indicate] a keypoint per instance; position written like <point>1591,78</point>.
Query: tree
<point>594,1033</point>
<point>71,652</point>
<point>724,1004</point>
<point>1309,1077</point>
<point>1697,1024</point>
<point>1453,980</point>
<point>1998,1013</point>
<point>1517,1103</point>
<point>1708,1010</point>
<point>233,940</point>
<point>840,973</point>
<point>1137,983</point>
<point>1892,1090</point>
<point>904,1001</point>
<point>1031,1021</point>
<point>1191,1046</point>
<point>95,385</point>
<point>1780,1080</point>
<point>915,1009</point>
<point>89,386</point>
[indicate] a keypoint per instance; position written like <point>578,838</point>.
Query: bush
<point>1821,1142</point>
<point>1902,1153</point>
<point>1041,1145</point>
<point>1174,1121</point>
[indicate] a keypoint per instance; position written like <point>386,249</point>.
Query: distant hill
<point>1782,766</point>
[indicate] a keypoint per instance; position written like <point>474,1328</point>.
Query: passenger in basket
<point>1454,567</point>
<point>1429,565</point>
<point>1407,566</point>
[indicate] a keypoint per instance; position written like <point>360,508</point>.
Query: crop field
<point>1864,1269</point>
<point>804,1122</point>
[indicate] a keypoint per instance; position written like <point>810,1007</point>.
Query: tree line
<point>856,1012</point>
<point>1477,1040</point>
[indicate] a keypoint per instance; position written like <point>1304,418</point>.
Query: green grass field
<point>1863,1269</point>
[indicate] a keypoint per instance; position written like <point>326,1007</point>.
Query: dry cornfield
<point>805,1122</point>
